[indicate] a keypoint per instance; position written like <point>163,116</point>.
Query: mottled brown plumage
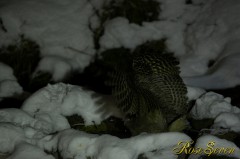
<point>150,82</point>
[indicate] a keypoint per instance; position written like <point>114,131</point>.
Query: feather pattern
<point>152,82</point>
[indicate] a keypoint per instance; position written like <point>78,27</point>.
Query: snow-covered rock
<point>9,88</point>
<point>60,100</point>
<point>211,104</point>
<point>33,127</point>
<point>174,17</point>
<point>210,143</point>
<point>16,116</point>
<point>28,151</point>
<point>6,72</point>
<point>53,121</point>
<point>24,119</point>
<point>8,82</point>
<point>172,9</point>
<point>120,33</point>
<point>194,93</point>
<point>215,106</point>
<point>228,120</point>
<point>57,66</point>
<point>77,144</point>
<point>59,27</point>
<point>213,36</point>
<point>11,135</point>
<point>207,30</point>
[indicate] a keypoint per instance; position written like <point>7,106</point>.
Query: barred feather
<point>152,82</point>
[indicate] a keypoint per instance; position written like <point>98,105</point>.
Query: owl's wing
<point>122,91</point>
<point>131,98</point>
<point>163,81</point>
<point>174,95</point>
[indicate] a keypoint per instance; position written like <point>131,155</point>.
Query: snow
<point>33,127</point>
<point>172,9</point>
<point>8,82</point>
<point>28,151</point>
<point>48,107</point>
<point>120,33</point>
<point>204,37</point>
<point>198,33</point>
<point>77,144</point>
<point>57,66</point>
<point>214,36</point>
<point>228,120</point>
<point>67,43</point>
<point>207,30</point>
<point>215,106</point>
<point>52,121</point>
<point>10,136</point>
<point>174,18</point>
<point>60,100</point>
<point>6,72</point>
<point>59,27</point>
<point>9,88</point>
<point>211,105</point>
<point>194,93</point>
<point>52,103</point>
<point>203,141</point>
<point>17,117</point>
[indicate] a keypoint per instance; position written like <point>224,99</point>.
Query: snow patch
<point>60,28</point>
<point>120,33</point>
<point>8,82</point>
<point>228,120</point>
<point>211,104</point>
<point>215,106</point>
<point>194,93</point>
<point>60,100</point>
<point>77,144</point>
<point>214,35</point>
<point>33,127</point>
<point>28,151</point>
<point>57,66</point>
<point>203,141</point>
<point>10,136</point>
<point>172,9</point>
